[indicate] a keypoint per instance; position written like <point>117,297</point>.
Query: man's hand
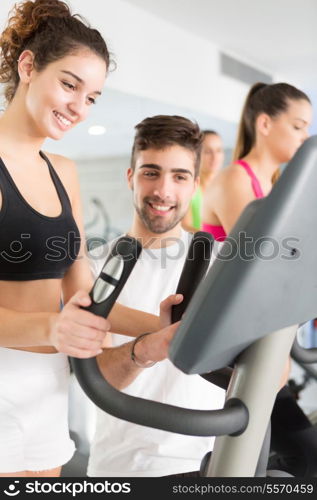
<point>154,347</point>
<point>166,308</point>
<point>77,332</point>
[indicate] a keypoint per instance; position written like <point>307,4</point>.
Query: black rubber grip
<point>128,250</point>
<point>195,268</point>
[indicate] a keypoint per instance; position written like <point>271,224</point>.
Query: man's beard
<point>158,224</point>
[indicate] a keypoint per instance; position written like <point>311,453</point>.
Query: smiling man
<point>163,174</point>
<point>163,177</point>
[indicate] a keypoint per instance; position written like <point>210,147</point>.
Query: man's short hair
<point>162,131</point>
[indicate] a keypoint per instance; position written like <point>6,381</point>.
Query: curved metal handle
<point>233,419</point>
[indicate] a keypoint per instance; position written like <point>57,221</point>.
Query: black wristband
<point>140,364</point>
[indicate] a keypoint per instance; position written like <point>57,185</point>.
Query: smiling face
<point>61,95</point>
<point>162,183</point>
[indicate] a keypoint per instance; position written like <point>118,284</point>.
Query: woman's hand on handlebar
<point>77,332</point>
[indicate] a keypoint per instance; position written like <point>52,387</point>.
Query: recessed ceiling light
<point>97,130</point>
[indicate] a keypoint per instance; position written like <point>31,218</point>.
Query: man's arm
<point>124,320</point>
<point>131,322</point>
<point>116,363</point>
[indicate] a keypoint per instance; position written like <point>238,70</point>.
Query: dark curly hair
<point>50,31</point>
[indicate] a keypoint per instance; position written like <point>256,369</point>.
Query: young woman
<point>212,156</point>
<point>273,125</point>
<point>54,67</point>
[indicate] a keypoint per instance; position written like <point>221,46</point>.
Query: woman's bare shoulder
<point>61,162</point>
<point>233,172</point>
<point>66,170</point>
<point>228,176</point>
<point>65,167</point>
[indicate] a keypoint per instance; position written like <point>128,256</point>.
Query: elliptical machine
<point>245,313</point>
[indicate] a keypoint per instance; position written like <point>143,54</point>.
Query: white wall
<point>105,179</point>
<point>158,60</point>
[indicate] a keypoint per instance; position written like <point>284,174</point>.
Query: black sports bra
<point>34,246</point>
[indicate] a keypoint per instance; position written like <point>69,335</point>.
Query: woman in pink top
<point>274,123</point>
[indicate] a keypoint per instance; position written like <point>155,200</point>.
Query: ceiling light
<point>97,130</point>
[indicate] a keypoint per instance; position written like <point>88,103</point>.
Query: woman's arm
<point>73,331</point>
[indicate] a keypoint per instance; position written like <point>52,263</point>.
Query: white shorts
<point>33,411</point>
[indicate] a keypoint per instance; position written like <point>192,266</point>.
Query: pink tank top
<point>218,232</point>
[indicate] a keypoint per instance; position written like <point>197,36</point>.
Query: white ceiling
<point>279,36</point>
